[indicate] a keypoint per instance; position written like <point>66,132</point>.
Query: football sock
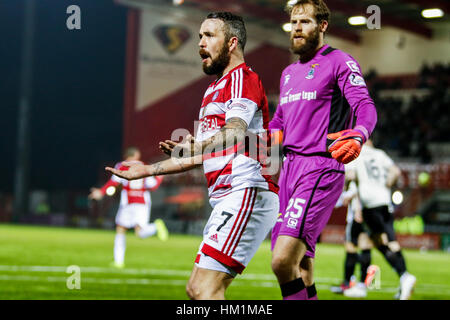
<point>401,264</point>
<point>350,263</point>
<point>119,248</point>
<point>147,230</point>
<point>395,259</point>
<point>311,292</point>
<point>365,258</point>
<point>294,290</point>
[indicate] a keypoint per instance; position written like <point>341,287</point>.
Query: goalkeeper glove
<point>276,137</point>
<point>346,145</point>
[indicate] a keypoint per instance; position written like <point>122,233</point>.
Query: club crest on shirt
<point>310,74</point>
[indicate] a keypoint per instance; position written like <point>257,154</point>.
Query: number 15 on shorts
<point>294,211</point>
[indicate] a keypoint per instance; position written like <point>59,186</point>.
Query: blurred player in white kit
<point>134,209</point>
<point>375,173</point>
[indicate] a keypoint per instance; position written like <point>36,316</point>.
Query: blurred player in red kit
<point>135,207</point>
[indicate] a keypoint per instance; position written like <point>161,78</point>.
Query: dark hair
<point>322,13</point>
<point>131,151</point>
<point>234,26</point>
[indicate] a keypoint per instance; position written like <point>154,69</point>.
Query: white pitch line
<point>262,280</point>
<point>165,282</point>
<point>170,282</point>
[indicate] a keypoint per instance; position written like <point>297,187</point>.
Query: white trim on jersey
<point>212,108</point>
<point>224,179</point>
<point>217,163</point>
<point>219,85</point>
<point>116,178</point>
<point>150,182</point>
<point>236,83</point>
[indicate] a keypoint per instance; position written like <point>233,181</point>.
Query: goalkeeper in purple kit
<point>325,115</point>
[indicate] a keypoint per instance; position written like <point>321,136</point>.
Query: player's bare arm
<point>347,199</point>
<point>96,194</point>
<point>350,175</point>
<point>231,133</point>
<point>169,166</point>
<point>392,176</point>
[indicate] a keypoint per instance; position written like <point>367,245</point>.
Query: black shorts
<point>352,232</point>
<point>380,220</point>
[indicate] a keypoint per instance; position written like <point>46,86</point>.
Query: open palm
<point>130,171</point>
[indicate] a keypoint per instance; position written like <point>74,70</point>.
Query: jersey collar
<point>235,68</point>
<point>322,49</point>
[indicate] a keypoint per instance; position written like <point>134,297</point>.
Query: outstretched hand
<point>130,170</point>
<point>167,146</point>
<point>187,148</point>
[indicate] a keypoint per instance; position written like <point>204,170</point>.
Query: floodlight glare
<point>357,20</point>
<point>397,198</point>
<point>432,13</point>
<point>110,191</point>
<point>287,27</point>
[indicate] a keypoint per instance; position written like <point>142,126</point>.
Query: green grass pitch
<point>34,261</point>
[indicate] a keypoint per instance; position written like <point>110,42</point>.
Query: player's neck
<point>310,55</point>
<point>234,62</point>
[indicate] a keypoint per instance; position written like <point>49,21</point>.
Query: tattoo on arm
<point>230,134</point>
<point>158,168</point>
<point>174,165</point>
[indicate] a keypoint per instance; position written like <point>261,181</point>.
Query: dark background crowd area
<point>409,125</point>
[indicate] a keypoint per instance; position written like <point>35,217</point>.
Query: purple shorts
<point>309,189</point>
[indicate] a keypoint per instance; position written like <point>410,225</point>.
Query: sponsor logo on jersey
<point>286,79</point>
<point>236,105</point>
<point>310,74</point>
<point>353,66</point>
<point>303,95</point>
<point>214,238</point>
<point>209,124</point>
<point>171,37</point>
<point>357,80</point>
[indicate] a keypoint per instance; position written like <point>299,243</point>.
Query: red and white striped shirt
<point>239,93</point>
<point>134,191</point>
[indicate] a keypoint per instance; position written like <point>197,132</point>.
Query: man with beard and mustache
<point>325,114</point>
<point>245,203</point>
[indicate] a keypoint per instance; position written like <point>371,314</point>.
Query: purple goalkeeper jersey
<point>324,95</point>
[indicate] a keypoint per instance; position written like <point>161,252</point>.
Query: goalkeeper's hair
<point>233,26</point>
<point>321,11</point>
<point>130,151</point>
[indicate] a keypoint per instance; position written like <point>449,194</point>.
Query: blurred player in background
<point>134,209</point>
<point>375,173</point>
<point>322,96</point>
<point>244,200</point>
<point>356,238</point>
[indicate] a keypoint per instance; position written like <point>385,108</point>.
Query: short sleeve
<point>246,95</point>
